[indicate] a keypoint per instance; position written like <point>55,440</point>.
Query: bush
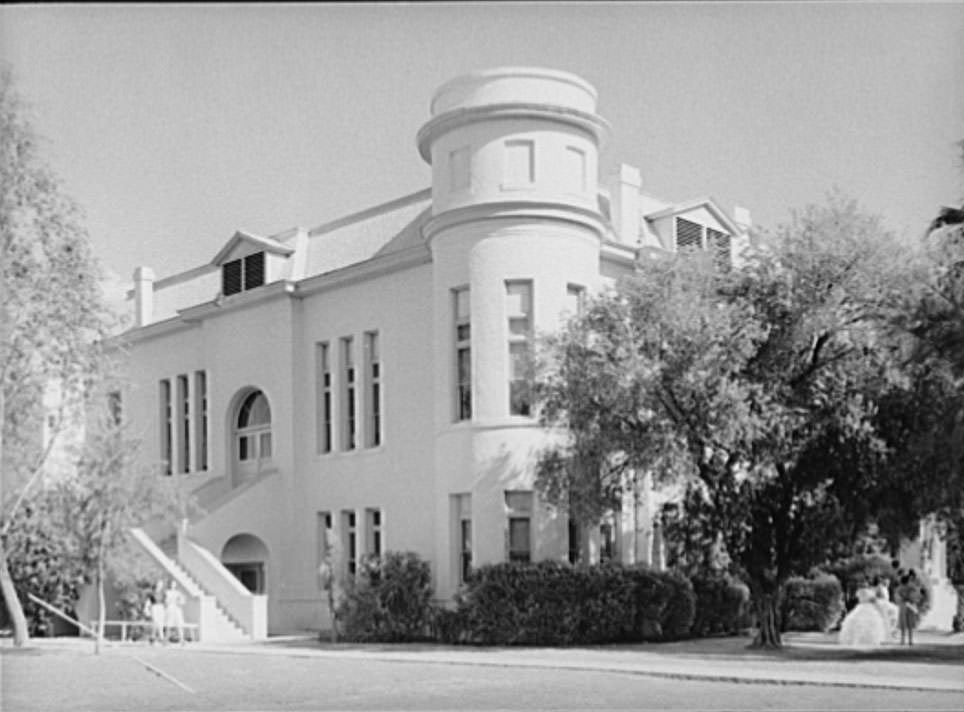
<point>722,605</point>
<point>391,601</point>
<point>551,603</point>
<point>812,604</point>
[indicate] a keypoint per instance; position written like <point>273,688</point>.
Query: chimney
<point>741,216</point>
<point>625,204</point>
<point>143,296</point>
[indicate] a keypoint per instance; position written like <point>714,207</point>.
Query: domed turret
<point>513,136</point>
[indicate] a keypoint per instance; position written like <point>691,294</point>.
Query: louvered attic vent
<point>689,235</point>
<point>242,274</point>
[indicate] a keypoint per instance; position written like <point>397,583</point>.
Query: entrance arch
<point>246,556</point>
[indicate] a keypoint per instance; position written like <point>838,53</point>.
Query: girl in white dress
<point>864,626</point>
<point>887,609</point>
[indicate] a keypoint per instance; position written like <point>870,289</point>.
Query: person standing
<point>174,611</point>
<point>908,600</point>
<point>864,626</point>
<point>154,611</point>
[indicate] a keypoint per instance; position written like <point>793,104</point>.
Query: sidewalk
<point>935,663</point>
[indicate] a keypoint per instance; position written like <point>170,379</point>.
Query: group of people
<point>876,619</point>
<point>164,608</point>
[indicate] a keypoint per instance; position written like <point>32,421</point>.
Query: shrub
<point>551,603</point>
<point>391,601</point>
<point>812,604</point>
<point>722,605</point>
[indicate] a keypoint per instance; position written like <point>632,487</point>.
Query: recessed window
<point>373,522</point>
<point>324,397</point>
<point>242,274</point>
<point>350,537</point>
<point>519,315</point>
<point>201,426</point>
<point>519,508</point>
<point>183,424</point>
<point>520,166</point>
<point>253,428</point>
<point>574,168</point>
<point>373,391</point>
<point>462,507</point>
<point>463,355</point>
<point>348,421</point>
<point>166,427</point>
<point>575,297</point>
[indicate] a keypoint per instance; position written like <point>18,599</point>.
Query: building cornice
<point>514,211</point>
<point>594,125</point>
<point>361,271</point>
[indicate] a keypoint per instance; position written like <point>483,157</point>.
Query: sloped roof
<point>265,243</point>
<point>707,202</point>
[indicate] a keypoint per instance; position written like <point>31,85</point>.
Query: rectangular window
<point>348,394</point>
<point>519,313</point>
<point>373,522</point>
<point>574,541</point>
<point>201,407</point>
<point>607,542</point>
<point>351,541</point>
<point>462,506</point>
<point>183,424</point>
<point>232,280</point>
<point>324,540</point>
<point>520,167</point>
<point>463,355</point>
<point>373,390</point>
<point>689,235</point>
<point>574,170</point>
<point>519,506</point>
<point>242,274</point>
<point>167,465</point>
<point>324,397</point>
<point>254,270</point>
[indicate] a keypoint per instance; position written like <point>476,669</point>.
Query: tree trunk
<point>20,633</point>
<point>101,612</point>
<point>768,622</point>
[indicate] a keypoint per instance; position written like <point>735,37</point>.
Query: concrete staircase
<point>222,608</point>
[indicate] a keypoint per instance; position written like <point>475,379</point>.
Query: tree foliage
<point>765,391</point>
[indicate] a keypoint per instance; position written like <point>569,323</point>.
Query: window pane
<point>254,270</point>
<point>243,447</point>
<point>518,298</point>
<point>519,539</point>
<point>462,304</point>
<point>231,277</point>
<point>265,446</point>
<point>463,332</point>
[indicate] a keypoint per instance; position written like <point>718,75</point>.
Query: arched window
<point>253,428</point>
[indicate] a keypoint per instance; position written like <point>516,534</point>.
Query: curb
<point>586,667</point>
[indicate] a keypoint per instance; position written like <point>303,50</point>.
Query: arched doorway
<point>246,556</point>
<point>251,442</point>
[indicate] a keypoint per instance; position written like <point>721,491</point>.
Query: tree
<point>756,389</point>
<point>52,317</point>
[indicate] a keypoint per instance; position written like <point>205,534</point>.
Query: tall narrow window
<point>351,540</point>
<point>324,405</point>
<point>348,394</point>
<point>373,391</point>
<point>574,541</point>
<point>607,542</point>
<point>201,426</point>
<point>520,166</point>
<point>463,355</point>
<point>459,168</point>
<point>323,536</point>
<point>373,523</point>
<point>462,504</point>
<point>519,313</point>
<point>166,427</point>
<point>519,506</point>
<point>183,424</point>
<point>575,169</point>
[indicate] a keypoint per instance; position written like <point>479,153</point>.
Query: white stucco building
<point>364,378</point>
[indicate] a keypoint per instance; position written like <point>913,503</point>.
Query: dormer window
<point>242,274</point>
<point>694,236</point>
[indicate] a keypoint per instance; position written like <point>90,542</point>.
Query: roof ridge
<point>405,200</point>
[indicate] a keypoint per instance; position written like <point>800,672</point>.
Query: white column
<point>143,296</point>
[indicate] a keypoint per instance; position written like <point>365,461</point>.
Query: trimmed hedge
<point>722,605</point>
<point>552,603</point>
<point>812,604</point>
<point>391,601</point>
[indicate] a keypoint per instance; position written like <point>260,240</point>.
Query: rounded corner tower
<point>515,236</point>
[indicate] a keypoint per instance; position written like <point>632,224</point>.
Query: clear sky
<point>173,126</point>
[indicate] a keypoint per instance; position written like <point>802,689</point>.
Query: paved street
<point>69,677</point>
